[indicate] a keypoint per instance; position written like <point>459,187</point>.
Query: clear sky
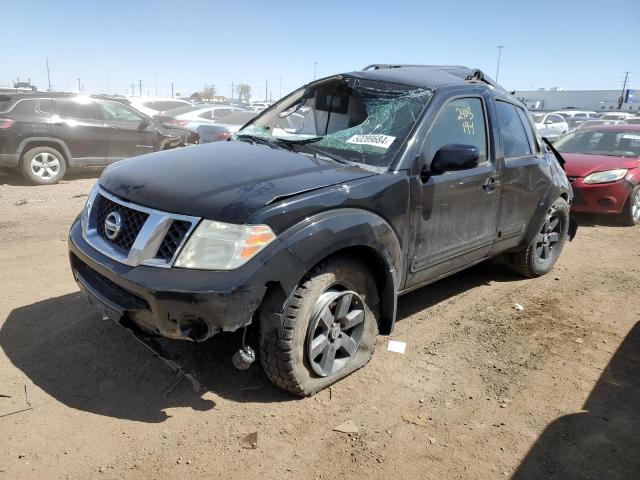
<point>576,44</point>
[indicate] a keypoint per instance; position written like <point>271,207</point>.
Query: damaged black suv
<point>388,179</point>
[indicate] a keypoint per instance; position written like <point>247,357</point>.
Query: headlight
<point>223,246</point>
<point>605,177</point>
<point>86,211</point>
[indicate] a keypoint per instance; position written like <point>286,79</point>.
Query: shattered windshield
<point>344,118</point>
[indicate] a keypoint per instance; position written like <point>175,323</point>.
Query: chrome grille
<point>132,222</point>
<point>146,237</point>
<point>173,239</point>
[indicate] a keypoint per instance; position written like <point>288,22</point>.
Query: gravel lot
<point>483,391</point>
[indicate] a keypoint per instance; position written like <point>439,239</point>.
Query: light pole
<point>499,47</point>
<point>315,66</point>
<point>156,75</point>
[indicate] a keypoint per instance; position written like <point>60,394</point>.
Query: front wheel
<point>329,330</point>
<point>631,211</point>
<point>541,254</point>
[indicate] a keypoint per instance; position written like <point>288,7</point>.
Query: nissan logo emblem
<point>112,225</point>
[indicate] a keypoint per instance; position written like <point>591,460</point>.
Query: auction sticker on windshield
<point>378,141</point>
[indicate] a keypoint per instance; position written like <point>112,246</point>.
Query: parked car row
<point>43,134</point>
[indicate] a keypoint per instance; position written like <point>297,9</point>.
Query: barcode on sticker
<point>380,141</point>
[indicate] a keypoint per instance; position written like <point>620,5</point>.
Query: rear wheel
<point>43,166</point>
<point>329,330</point>
<point>631,211</point>
<point>541,254</point>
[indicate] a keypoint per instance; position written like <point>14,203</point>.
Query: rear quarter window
<point>514,136</point>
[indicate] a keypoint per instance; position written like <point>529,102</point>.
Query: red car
<point>603,166</point>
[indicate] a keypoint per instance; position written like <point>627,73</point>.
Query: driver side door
<point>130,133</point>
<point>456,223</point>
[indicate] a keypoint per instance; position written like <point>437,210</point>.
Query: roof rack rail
<point>465,73</point>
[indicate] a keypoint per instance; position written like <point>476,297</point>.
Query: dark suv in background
<point>43,134</point>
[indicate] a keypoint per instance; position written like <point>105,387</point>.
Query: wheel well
<point>270,311</point>
<point>44,143</point>
<point>565,195</point>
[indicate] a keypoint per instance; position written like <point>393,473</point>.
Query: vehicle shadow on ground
<point>64,348</point>
<point>604,440</point>
<point>15,179</point>
<point>593,220</point>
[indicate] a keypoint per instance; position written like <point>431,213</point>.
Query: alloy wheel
<point>45,165</point>
<point>635,207</point>
<point>335,330</point>
<point>548,238</point>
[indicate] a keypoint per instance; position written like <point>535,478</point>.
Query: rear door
<point>130,133</point>
<point>456,224</point>
<point>526,173</point>
<point>80,126</point>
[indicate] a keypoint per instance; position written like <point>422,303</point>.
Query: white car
<point>550,125</point>
<point>259,106</point>
<point>570,113</point>
<point>617,116</point>
<point>153,105</point>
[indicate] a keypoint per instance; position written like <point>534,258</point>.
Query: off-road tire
<point>283,350</point>
<point>627,217</point>
<point>526,261</point>
<point>53,175</point>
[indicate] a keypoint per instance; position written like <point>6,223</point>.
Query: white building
<point>597,100</point>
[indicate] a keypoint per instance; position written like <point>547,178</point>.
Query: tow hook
<point>244,357</point>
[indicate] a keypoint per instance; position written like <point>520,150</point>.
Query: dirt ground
<point>483,390</point>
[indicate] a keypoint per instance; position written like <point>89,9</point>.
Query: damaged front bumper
<point>175,303</point>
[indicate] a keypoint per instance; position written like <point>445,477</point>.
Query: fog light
<point>195,328</point>
<point>605,202</point>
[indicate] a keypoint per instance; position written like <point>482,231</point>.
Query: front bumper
<point>163,300</point>
<point>600,198</point>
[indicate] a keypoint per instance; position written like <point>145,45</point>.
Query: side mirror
<point>455,156</point>
<point>144,123</point>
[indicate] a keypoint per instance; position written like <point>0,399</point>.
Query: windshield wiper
<point>265,141</point>
<point>302,141</point>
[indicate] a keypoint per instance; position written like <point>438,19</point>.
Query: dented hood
<point>224,181</point>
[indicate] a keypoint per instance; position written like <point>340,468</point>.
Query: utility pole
<point>156,75</point>
<point>499,47</point>
<point>48,74</point>
<point>79,90</point>
<point>315,66</point>
<point>140,85</point>
<point>232,90</point>
<point>624,87</point>
<point>108,85</point>
<point>280,86</point>
<point>133,89</point>
<point>266,89</point>
<point>171,89</point>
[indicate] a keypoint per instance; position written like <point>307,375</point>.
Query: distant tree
<point>207,93</point>
<point>244,92</point>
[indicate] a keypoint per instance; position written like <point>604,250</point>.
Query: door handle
<point>490,184</point>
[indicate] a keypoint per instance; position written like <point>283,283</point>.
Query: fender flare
<point>326,233</point>
<point>65,150</point>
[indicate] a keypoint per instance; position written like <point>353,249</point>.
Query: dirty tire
<point>631,212</point>
<point>43,166</point>
<point>531,261</point>
<point>283,352</point>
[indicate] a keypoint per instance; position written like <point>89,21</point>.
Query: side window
<point>460,121</point>
<point>528,128</point>
<point>118,113</point>
<point>221,112</point>
<point>208,115</point>
<point>78,109</point>
<point>44,106</point>
<point>514,136</point>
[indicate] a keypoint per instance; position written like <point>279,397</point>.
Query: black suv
<point>42,134</point>
<point>396,176</point>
